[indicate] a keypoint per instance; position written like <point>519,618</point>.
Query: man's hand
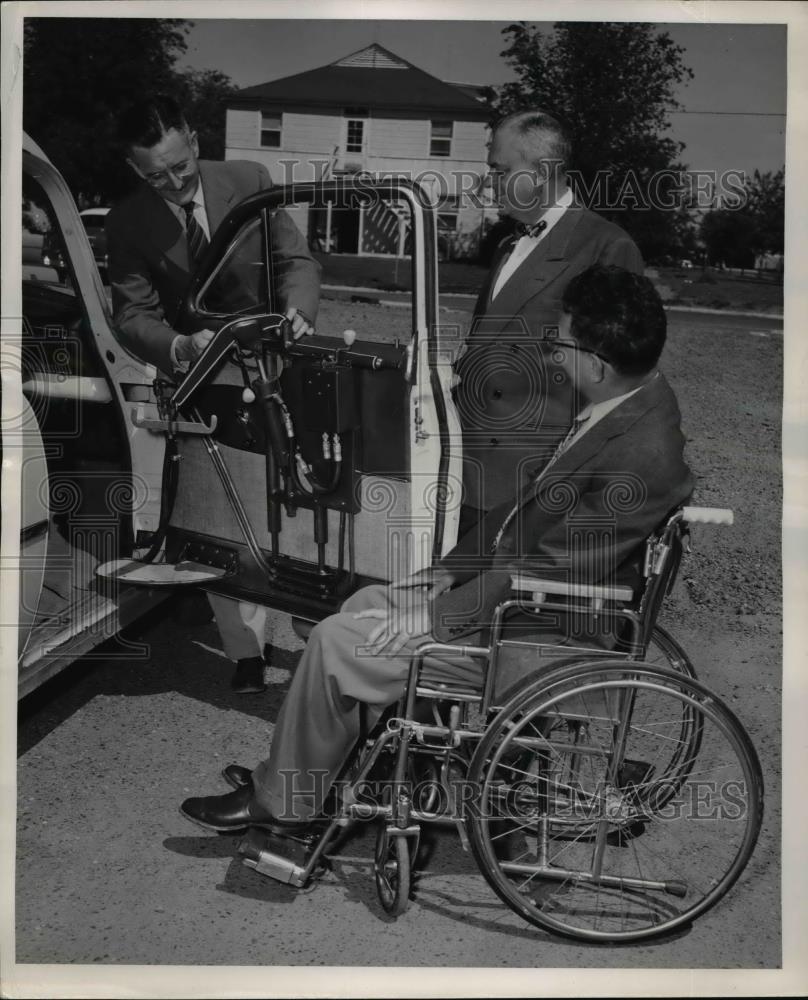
<point>396,627</point>
<point>433,577</point>
<point>300,325</point>
<point>188,348</point>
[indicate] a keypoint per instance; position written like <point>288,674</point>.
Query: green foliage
<point>736,236</point>
<point>613,86</point>
<point>79,73</point>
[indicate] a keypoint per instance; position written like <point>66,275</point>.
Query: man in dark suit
<point>155,237</point>
<point>583,519</point>
<point>515,402</point>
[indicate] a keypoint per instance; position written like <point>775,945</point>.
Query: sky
<point>738,68</point>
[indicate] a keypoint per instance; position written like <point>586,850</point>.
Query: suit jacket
<point>515,403</point>
<point>148,257</point>
<point>584,520</point>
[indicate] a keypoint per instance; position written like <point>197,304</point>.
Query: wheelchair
<point>612,798</point>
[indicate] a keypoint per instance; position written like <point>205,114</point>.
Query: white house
<point>372,112</point>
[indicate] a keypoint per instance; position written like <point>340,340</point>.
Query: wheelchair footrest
<point>280,858</point>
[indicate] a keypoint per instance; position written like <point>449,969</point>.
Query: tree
<point>80,72</point>
<point>766,203</point>
<point>204,94</point>
<point>613,86</point>
<point>727,237</point>
<point>737,235</point>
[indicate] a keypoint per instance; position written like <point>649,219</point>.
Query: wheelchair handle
<point>707,515</point>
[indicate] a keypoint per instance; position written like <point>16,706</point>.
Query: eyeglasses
<point>179,172</point>
<point>577,347</point>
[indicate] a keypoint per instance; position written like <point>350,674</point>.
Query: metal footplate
<point>281,858</point>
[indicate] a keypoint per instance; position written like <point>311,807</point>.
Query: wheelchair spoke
<point>602,827</point>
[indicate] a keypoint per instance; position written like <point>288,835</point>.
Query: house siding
<point>394,144</point>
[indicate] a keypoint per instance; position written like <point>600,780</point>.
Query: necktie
<point>577,424</point>
<point>195,234</point>
<point>521,229</point>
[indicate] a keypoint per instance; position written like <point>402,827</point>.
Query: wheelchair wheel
<point>665,651</point>
<point>583,826</point>
<point>393,873</point>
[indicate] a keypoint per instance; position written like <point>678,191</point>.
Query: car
<point>93,220</point>
<point>348,472</point>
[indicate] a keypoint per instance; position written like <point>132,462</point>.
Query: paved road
<point>109,873</point>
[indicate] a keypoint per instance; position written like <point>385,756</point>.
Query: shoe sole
<point>249,689</point>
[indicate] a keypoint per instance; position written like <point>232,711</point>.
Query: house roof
<point>373,78</point>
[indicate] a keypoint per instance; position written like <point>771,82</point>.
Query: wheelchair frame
<point>555,773</point>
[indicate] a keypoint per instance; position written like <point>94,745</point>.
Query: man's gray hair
<point>539,137</point>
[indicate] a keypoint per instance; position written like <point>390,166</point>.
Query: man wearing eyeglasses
<point>583,519</point>
<point>156,237</point>
<point>158,233</point>
<point>515,403</point>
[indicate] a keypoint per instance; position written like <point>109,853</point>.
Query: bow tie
<point>520,229</point>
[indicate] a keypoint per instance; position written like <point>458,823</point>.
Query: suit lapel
<point>590,444</point>
<point>219,193</point>
<point>541,267</point>
<point>164,230</point>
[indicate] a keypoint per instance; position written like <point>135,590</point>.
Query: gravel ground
<point>109,873</point>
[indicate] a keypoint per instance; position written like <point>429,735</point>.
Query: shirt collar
<point>552,215</point>
<point>593,412</point>
<point>198,200</point>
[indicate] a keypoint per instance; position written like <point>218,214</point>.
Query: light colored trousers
<point>319,721</point>
<point>240,625</point>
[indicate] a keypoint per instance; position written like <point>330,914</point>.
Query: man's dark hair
<point>147,121</point>
<point>618,314</point>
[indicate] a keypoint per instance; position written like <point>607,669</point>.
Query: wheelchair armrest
<point>539,588</point>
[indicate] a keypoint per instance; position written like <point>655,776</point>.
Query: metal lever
<point>139,419</point>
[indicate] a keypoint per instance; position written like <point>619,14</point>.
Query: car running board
<point>184,573</point>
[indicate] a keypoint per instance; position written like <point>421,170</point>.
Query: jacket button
<point>495,441</point>
<point>497,393</point>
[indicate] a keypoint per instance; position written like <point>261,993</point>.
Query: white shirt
<point>527,244</point>
<point>200,212</point>
<point>591,414</point>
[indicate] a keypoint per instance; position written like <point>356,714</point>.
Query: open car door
<point>298,471</point>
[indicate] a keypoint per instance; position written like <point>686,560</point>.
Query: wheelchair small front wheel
<point>393,871</point>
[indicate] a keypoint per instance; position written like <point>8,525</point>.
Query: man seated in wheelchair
<point>582,519</point>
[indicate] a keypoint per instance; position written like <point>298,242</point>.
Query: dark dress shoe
<point>235,811</point>
<point>237,776</point>
<point>249,676</point>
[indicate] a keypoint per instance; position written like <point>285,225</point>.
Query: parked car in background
<point>94,222</point>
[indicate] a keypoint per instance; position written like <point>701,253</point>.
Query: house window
<point>441,140</point>
<point>355,129</point>
<point>271,130</point>
<point>353,141</point>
